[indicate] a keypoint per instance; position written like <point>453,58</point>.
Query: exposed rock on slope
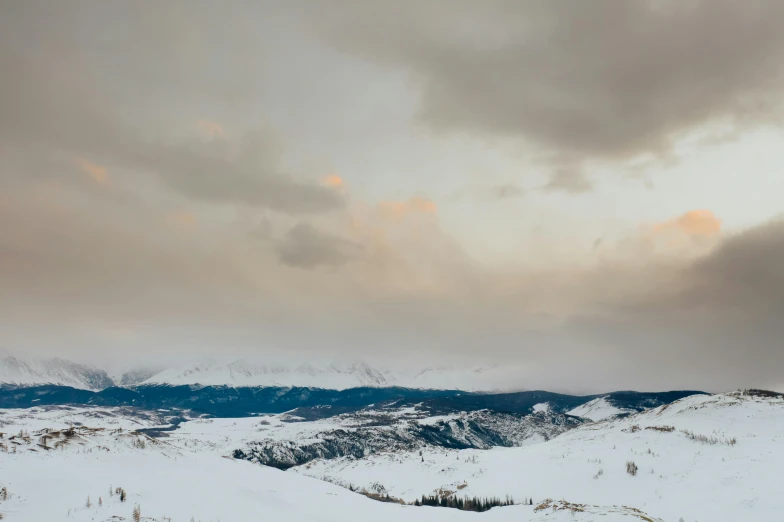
<point>369,432</point>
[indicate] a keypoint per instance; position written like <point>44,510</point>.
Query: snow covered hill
<point>66,472</point>
<point>701,458</point>
<point>17,371</point>
<point>598,409</point>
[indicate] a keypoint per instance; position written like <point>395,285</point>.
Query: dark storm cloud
<point>601,80</point>
<point>306,247</point>
<point>715,322</point>
<point>746,273</point>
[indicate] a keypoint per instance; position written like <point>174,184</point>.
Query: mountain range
<point>27,371</point>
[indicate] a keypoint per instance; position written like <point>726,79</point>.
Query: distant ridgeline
<point>314,403</point>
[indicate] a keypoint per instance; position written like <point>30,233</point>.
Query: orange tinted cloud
<point>333,180</point>
<point>702,223</point>
<point>98,173</point>
<point>400,209</point>
<point>211,128</point>
<point>183,219</point>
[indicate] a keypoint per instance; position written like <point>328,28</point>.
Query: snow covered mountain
<point>242,373</point>
<point>16,371</point>
<point>136,376</point>
<point>339,376</point>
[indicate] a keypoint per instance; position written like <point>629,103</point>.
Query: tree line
<point>465,503</point>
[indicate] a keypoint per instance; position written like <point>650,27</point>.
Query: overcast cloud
<point>156,204</point>
<point>606,80</point>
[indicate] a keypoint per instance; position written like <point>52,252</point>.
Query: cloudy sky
<point>589,191</point>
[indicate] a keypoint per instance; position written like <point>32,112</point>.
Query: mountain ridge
<point>18,370</point>
<point>29,371</point>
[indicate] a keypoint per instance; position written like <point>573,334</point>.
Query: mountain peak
<point>17,371</point>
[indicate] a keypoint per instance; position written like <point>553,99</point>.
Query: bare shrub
<point>664,429</point>
<point>631,468</point>
<point>712,440</point>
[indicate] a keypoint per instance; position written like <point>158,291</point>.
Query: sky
<point>590,192</point>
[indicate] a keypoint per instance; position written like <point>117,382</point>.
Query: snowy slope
<point>61,417</point>
<point>209,488</point>
<point>679,475</point>
<point>598,409</point>
<point>177,485</point>
<point>18,371</point>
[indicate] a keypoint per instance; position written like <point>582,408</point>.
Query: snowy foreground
<point>202,487</point>
<point>703,458</point>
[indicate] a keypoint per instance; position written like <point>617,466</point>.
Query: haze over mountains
<point>16,370</point>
